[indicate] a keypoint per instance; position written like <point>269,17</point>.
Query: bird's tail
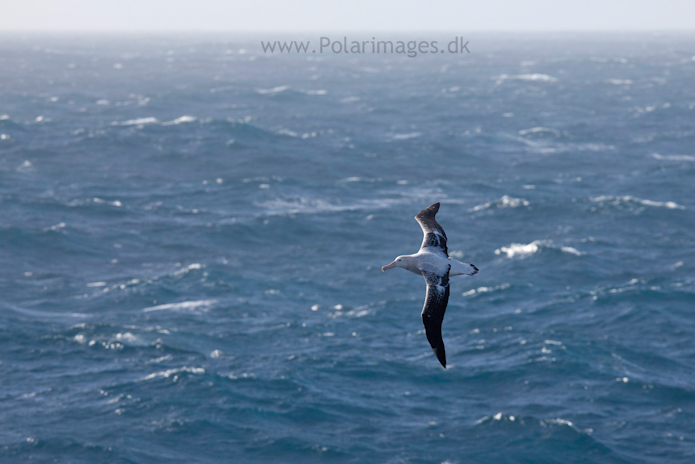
<point>463,268</point>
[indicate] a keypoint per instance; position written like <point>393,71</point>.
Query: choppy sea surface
<point>191,236</point>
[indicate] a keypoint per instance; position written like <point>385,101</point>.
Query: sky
<point>346,15</point>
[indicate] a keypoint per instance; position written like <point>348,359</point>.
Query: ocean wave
<point>523,250</point>
<point>619,200</point>
<point>408,136</point>
<point>137,122</point>
<point>370,180</point>
<point>539,130</point>
<point>44,314</point>
<point>504,202</point>
<point>181,120</point>
<point>520,249</point>
<point>674,157</point>
<point>274,90</point>
<point>536,77</point>
<point>303,205</point>
<point>288,133</point>
<point>187,269</point>
<point>640,111</point>
<point>339,311</point>
<point>531,422</point>
<point>26,167</point>
<point>479,290</point>
<point>168,373</point>
<point>56,227</point>
<point>115,203</point>
<point>199,305</point>
<point>543,429</point>
<point>619,81</point>
<point>569,147</point>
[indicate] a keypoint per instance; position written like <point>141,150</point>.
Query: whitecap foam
<point>619,81</point>
<point>182,306</point>
<point>138,121</point>
<point>674,157</point>
<point>288,132</point>
<point>304,205</point>
<point>571,250</point>
<point>410,135</point>
<point>504,202</point>
<point>170,372</point>
<point>535,77</point>
<point>569,147</point>
<point>126,336</point>
<point>538,130</point>
<point>557,421</point>
<point>116,203</point>
<point>630,199</point>
<point>315,92</point>
<point>360,311</point>
<point>96,284</point>
<point>182,120</point>
<point>26,166</point>
<point>278,89</point>
<point>190,267</point>
<point>497,417</point>
<point>56,227</point>
<point>473,291</point>
<point>523,250</point>
<point>366,179</point>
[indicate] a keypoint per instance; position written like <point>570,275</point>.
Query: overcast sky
<point>346,15</point>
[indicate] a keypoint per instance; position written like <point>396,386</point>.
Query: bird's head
<point>401,261</point>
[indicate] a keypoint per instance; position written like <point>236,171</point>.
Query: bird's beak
<point>388,266</point>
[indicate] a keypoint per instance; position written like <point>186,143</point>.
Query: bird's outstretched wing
<point>434,309</point>
<point>435,238</point>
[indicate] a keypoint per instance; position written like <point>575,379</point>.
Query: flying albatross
<point>434,264</point>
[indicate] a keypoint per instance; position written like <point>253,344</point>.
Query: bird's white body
<point>435,263</point>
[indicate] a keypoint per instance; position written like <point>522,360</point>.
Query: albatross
<point>434,264</point>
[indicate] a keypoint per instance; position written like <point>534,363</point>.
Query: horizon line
<point>345,31</point>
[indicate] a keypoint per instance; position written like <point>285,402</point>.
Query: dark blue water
<point>191,234</point>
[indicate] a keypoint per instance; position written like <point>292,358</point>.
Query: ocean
<point>192,231</point>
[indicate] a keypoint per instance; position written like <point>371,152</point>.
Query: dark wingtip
<point>429,210</point>
<point>441,355</point>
